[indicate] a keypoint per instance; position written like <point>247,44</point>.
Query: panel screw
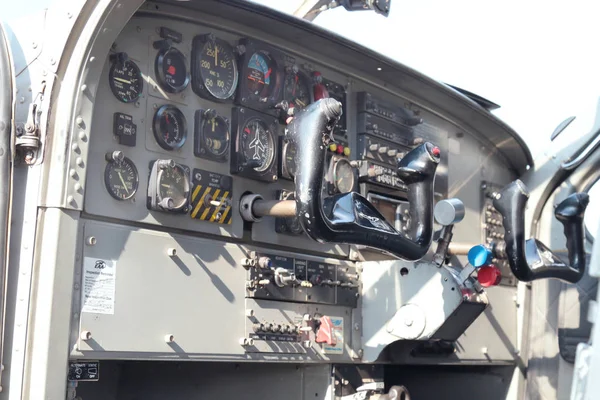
<point>169,338</point>
<point>85,335</point>
<point>249,312</point>
<point>91,241</point>
<point>171,252</point>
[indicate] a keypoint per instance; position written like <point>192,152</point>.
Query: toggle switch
<point>374,147</point>
<point>383,150</point>
<point>392,153</point>
<point>325,332</point>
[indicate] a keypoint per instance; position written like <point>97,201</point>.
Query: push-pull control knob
<point>489,275</point>
<point>167,203</point>
<point>392,153</point>
<point>383,150</point>
<point>374,147</point>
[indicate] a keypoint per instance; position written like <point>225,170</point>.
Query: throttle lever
<point>531,259</point>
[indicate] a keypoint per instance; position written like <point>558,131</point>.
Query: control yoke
<point>349,217</point>
<point>530,260</point>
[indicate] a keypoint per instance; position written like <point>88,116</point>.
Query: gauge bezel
<point>108,184</point>
<point>240,117</point>
<point>247,99</point>
<point>284,171</point>
<point>200,149</point>
<point>338,161</point>
<point>187,186</point>
<point>160,74</point>
<point>198,86</point>
<point>111,82</point>
<point>289,71</point>
<point>156,127</point>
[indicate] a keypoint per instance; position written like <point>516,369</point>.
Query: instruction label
<point>338,334</point>
<point>98,294</point>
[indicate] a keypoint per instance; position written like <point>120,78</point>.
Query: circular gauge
<point>289,163</point>
<point>257,144</point>
<point>218,69</point>
<point>170,127</point>
<point>260,77</point>
<point>121,178</point>
<point>171,70</point>
<point>125,80</point>
<point>296,89</point>
<point>343,176</point>
<point>173,187</point>
<point>214,134</point>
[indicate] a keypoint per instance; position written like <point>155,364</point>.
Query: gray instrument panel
<point>202,289</point>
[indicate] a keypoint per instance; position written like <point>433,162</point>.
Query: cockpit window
<point>592,214</point>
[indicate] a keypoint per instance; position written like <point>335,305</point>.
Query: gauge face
<point>171,70</point>
<point>126,81</point>
<point>121,179</point>
<point>343,176</point>
<point>215,135</point>
<point>174,183</point>
<point>257,144</point>
<point>218,69</point>
<point>296,89</point>
<point>170,127</point>
<point>289,163</point>
<point>259,75</point>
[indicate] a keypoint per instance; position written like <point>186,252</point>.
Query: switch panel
<point>492,228</point>
<point>277,277</point>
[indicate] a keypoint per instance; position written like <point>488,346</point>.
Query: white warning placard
<point>99,281</point>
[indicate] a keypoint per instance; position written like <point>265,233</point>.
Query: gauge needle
<point>123,182</point>
<point>122,80</point>
<point>212,121</point>
<point>216,55</point>
<point>165,185</point>
<point>300,103</point>
<point>295,84</point>
<point>268,74</point>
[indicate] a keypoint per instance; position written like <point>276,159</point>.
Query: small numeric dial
<point>171,70</point>
<point>170,127</point>
<point>120,176</point>
<point>343,176</point>
<point>296,89</point>
<point>125,79</point>
<point>212,135</point>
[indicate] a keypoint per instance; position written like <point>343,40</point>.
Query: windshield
<point>536,59</point>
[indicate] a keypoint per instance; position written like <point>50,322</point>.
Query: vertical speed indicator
<point>214,68</point>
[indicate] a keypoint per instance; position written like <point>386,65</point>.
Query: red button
<point>340,149</point>
<point>489,275</point>
<point>436,151</point>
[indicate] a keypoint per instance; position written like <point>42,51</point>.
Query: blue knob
<point>479,256</point>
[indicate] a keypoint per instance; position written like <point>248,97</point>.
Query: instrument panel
<point>192,118</point>
<point>202,102</point>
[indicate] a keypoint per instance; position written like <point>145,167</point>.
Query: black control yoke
<point>530,260</point>
<point>349,217</point>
